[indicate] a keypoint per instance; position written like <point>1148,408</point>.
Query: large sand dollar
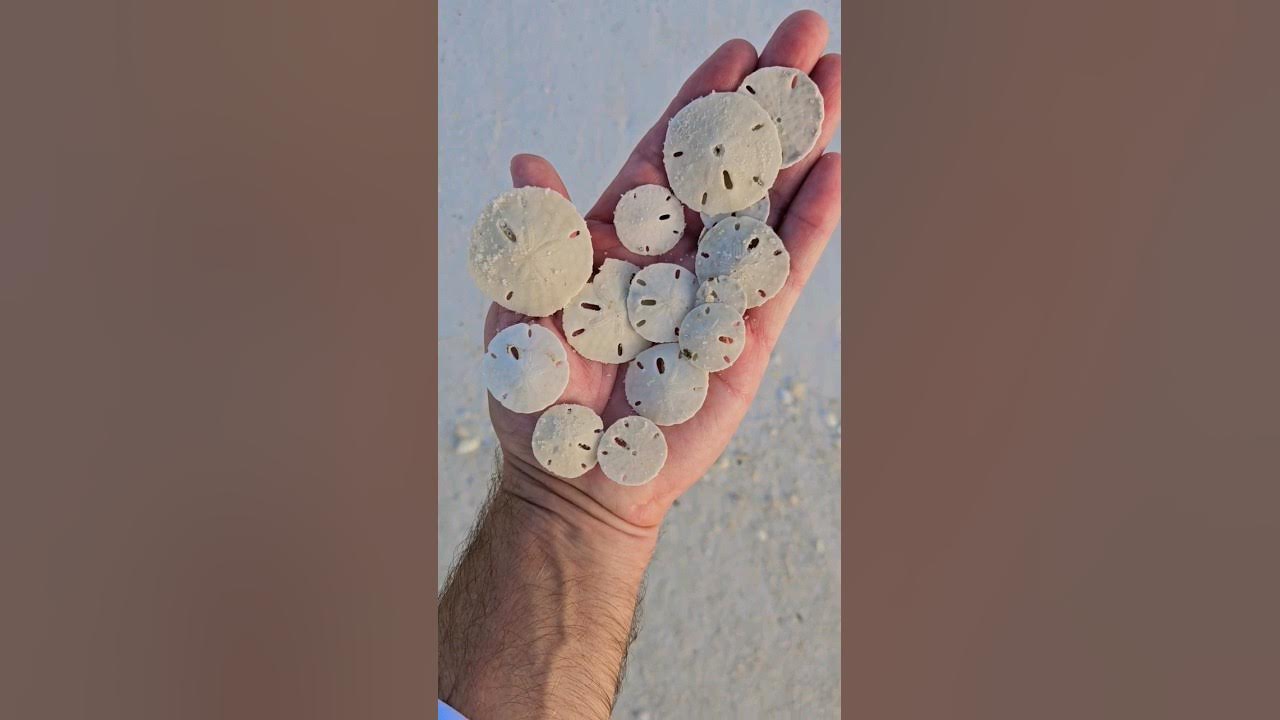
<point>660,295</point>
<point>794,102</point>
<point>748,251</point>
<point>530,251</point>
<point>649,220</point>
<point>565,439</point>
<point>722,153</point>
<point>595,322</point>
<point>632,451</point>
<point>664,387</point>
<point>525,367</point>
<point>712,336</point>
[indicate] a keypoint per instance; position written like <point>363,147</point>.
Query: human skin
<point>536,618</point>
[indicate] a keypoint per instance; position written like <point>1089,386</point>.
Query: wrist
<point>564,515</point>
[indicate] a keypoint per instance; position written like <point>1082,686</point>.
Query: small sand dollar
<point>525,367</point>
<point>595,322</point>
<point>659,296</point>
<point>565,439</point>
<point>794,102</point>
<point>748,251</point>
<point>712,336</point>
<point>530,251</point>
<point>722,289</point>
<point>758,210</point>
<point>632,451</point>
<point>665,387</point>
<point>649,220</point>
<point>722,153</point>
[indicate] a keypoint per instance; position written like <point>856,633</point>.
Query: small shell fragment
<point>748,251</point>
<point>632,451</point>
<point>712,336</point>
<point>565,439</point>
<point>664,386</point>
<point>595,322</point>
<point>530,251</point>
<point>794,102</point>
<point>722,289</point>
<point>649,220</point>
<point>722,153</point>
<point>659,296</point>
<point>525,367</point>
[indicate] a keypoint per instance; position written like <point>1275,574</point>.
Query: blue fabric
<point>444,712</point>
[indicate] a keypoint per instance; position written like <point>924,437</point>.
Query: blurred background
<point>742,612</point>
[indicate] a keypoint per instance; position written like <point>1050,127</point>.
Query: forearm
<point>536,618</point>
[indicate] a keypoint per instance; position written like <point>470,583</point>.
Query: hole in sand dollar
<point>662,366</point>
<point>665,216</point>
<point>590,306</point>
<point>619,349</point>
<point>751,90</point>
<point>754,242</point>
<point>757,127</point>
<point>718,150</point>
<point>678,153</point>
<point>619,442</point>
<point>506,231</point>
<point>726,339</point>
<point>728,181</point>
<point>763,293</point>
<point>513,292</point>
<point>648,301</point>
<point>677,273</point>
<point>704,198</point>
<point>578,332</point>
<point>641,323</point>
<point>515,353</point>
<point>586,447</point>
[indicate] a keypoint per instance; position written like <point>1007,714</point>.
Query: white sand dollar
<point>632,451</point>
<point>664,387</point>
<point>712,336</point>
<point>595,322</point>
<point>758,210</point>
<point>659,297</point>
<point>722,153</point>
<point>525,367</point>
<point>722,289</point>
<point>530,251</point>
<point>794,102</point>
<point>649,220</point>
<point>565,439</point>
<point>748,251</point>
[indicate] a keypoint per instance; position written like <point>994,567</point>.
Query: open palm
<point>805,209</point>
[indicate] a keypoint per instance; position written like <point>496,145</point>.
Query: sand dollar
<point>722,153</point>
<point>665,387</point>
<point>565,439</point>
<point>794,102</point>
<point>525,367</point>
<point>595,322</point>
<point>530,251</point>
<point>748,251</point>
<point>722,289</point>
<point>632,451</point>
<point>649,220</point>
<point>712,336</point>
<point>659,296</point>
<point>758,210</point>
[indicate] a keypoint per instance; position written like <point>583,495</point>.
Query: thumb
<point>535,171</point>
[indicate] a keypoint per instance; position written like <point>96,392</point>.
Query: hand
<point>805,209</point>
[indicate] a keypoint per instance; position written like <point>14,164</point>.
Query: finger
<point>798,41</point>
<point>534,171</point>
<point>805,231</point>
<point>826,74</point>
<point>723,71</point>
